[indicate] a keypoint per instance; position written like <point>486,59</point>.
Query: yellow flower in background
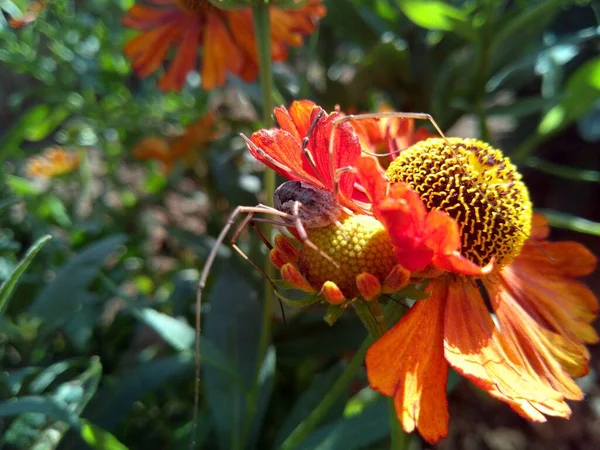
<point>226,38</point>
<point>180,148</point>
<point>53,163</point>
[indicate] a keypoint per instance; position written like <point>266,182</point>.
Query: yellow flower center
<point>476,185</point>
<point>359,245</point>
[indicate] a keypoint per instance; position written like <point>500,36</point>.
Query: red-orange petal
<point>532,346</point>
<point>539,227</point>
<point>477,350</point>
<point>408,364</point>
<point>566,305</point>
<point>368,285</point>
<point>220,53</point>
<point>184,61</point>
<point>332,293</point>
<point>291,274</point>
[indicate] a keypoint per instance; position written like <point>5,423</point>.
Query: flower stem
<point>373,319</point>
<point>262,27</point>
<point>317,414</point>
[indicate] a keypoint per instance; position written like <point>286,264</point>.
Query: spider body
<point>313,206</point>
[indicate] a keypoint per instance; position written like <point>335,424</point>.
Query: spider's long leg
<point>202,283</point>
<point>248,220</point>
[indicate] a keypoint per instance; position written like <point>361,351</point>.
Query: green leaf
<point>560,219</point>
<point>52,207</point>
<point>60,298</point>
<point>11,8</point>
<point>309,399</point>
<point>175,332</point>
<point>98,438</point>
<point>520,28</point>
<point>233,326</point>
<point>21,186</point>
<point>8,286</point>
<point>437,15</point>
<point>582,90</point>
<point>569,173</point>
<point>357,432</point>
<point>46,123</point>
<point>50,407</point>
<point>113,402</point>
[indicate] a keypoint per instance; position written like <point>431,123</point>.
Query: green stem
<point>262,27</point>
<point>480,82</point>
<point>372,317</point>
<point>317,414</point>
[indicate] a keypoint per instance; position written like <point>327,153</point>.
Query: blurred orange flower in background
<point>54,162</point>
<point>29,15</point>
<point>226,37</point>
<point>180,148</point>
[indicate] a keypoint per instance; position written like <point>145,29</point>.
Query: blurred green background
<point>96,339</point>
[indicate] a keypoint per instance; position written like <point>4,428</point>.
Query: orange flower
<point>368,266</point>
<point>227,38</point>
<point>30,15</point>
<point>168,152</point>
<point>53,163</point>
<point>544,314</point>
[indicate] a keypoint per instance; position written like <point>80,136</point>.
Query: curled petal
<point>368,285</point>
<point>533,347</point>
<point>547,290</point>
<point>407,363</point>
<point>291,252</point>
<point>398,278</point>
<point>292,275</point>
<point>332,293</point>
<point>476,349</point>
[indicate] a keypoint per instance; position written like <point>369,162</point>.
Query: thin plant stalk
<point>262,27</point>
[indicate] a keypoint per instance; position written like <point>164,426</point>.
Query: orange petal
<point>292,275</point>
<point>296,121</point>
<point>539,227</point>
<point>149,49</point>
<point>332,293</point>
<point>368,285</point>
<point>144,18</point>
<point>565,258</point>
<point>398,278</point>
<point>291,252</point>
<point>151,148</point>
<point>184,61</point>
<point>532,346</point>
<point>565,304</point>
<point>220,53</point>
<point>408,364</point>
<point>443,237</point>
<point>477,350</point>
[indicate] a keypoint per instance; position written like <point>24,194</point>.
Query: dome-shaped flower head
<point>226,38</point>
<point>543,313</point>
